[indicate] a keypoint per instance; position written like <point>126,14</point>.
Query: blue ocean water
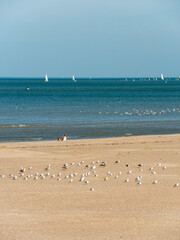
<point>88,108</point>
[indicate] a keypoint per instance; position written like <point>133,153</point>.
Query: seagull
<point>65,166</point>
<point>137,179</point>
<point>48,167</point>
<point>140,165</point>
<point>93,167</point>
<point>103,164</point>
<point>117,161</point>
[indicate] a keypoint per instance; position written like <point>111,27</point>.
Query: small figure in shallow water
<point>63,139</point>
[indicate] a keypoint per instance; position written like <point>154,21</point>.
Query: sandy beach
<point>52,197</point>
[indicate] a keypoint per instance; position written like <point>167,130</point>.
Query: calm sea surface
<point>89,108</point>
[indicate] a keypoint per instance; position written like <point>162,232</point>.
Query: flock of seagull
<point>91,171</point>
<point>147,112</point>
<point>143,112</point>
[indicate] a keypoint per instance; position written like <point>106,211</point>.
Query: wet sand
<point>118,208</point>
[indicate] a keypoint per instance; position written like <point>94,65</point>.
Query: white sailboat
<point>73,78</point>
<point>46,78</point>
<point>162,77</point>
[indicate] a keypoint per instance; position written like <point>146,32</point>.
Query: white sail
<point>73,78</point>
<point>46,78</point>
<point>162,77</point>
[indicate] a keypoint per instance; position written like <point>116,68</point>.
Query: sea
<point>34,110</point>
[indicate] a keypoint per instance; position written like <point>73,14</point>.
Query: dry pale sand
<point>50,209</point>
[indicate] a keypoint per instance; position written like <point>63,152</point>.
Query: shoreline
<point>85,139</point>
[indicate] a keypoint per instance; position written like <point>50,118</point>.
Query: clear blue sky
<point>99,38</point>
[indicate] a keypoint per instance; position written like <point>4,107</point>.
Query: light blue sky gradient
<point>98,38</point>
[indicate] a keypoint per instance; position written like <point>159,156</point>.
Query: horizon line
<point>147,77</point>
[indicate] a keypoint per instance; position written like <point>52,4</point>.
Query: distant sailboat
<point>73,78</point>
<point>162,77</point>
<point>46,78</point>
